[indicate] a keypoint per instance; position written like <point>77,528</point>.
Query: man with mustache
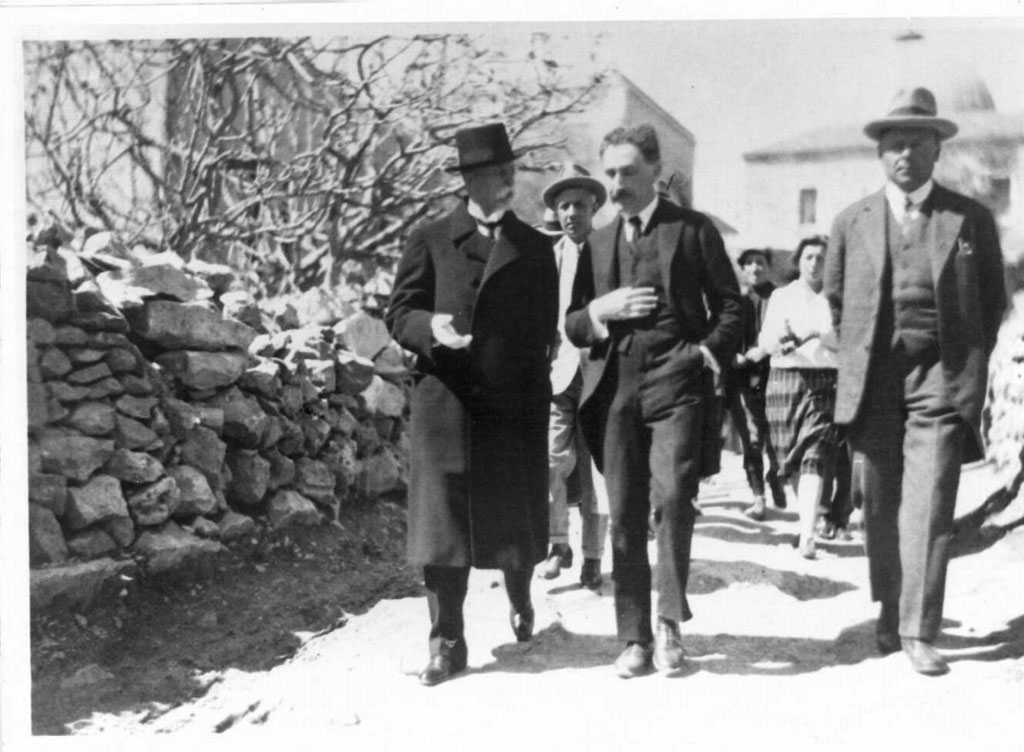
<point>575,196</point>
<point>914,277</point>
<point>475,298</point>
<point>657,303</point>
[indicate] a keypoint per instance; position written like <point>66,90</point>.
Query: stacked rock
<point>1006,410</point>
<point>159,426</point>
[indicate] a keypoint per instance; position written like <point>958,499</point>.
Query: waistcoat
<point>915,316</point>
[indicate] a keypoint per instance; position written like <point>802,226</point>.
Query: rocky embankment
<point>169,413</point>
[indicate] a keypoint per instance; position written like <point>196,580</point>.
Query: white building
<point>617,102</point>
<point>795,188</point>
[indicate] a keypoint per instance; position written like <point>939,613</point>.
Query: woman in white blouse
<point>800,399</point>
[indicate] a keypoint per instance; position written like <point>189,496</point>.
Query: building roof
<point>843,140</point>
<point>617,78</point>
<point>978,126</point>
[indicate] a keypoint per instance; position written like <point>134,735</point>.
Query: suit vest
<point>912,291</point>
<point>639,265</point>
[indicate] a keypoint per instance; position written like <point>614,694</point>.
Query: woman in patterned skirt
<point>797,334</point>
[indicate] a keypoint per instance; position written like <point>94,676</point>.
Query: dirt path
<point>781,656</point>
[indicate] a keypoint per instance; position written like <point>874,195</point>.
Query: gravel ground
<point>780,656</point>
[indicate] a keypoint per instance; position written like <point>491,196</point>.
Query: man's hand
<point>624,303</point>
<point>445,334</point>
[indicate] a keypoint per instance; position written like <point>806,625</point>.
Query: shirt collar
<point>646,213</point>
<point>567,243</point>
<point>897,198</point>
<point>478,214</point>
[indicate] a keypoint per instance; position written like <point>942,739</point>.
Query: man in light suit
<point>914,277</point>
<point>657,303</point>
<point>574,197</point>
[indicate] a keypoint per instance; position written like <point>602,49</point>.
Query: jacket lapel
<point>872,231</point>
<point>602,256</point>
<point>668,241</point>
<point>944,227</point>
<point>462,226</point>
<point>504,251</point>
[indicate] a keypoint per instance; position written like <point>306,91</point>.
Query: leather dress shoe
<point>924,658</point>
<point>634,661</point>
<point>668,646</point>
<point>887,627</point>
<point>446,663</point>
<point>522,623</point>
<point>590,574</point>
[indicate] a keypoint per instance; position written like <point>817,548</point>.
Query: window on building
<point>808,206</point>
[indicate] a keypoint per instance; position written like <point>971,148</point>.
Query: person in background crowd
<point>797,334</point>
<point>657,303</point>
<point>915,281</point>
<point>573,198</point>
<point>475,298</point>
<point>837,501</point>
<point>746,382</point>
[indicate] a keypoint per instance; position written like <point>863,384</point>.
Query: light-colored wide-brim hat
<point>914,108</point>
<point>575,176</point>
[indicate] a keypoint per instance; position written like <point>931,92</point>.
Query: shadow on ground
<point>708,576</point>
<point>556,648</point>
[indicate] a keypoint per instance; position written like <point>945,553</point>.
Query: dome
<point>957,87</point>
<point>967,94</point>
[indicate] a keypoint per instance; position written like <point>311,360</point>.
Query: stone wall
<point>1005,425</point>
<point>168,413</point>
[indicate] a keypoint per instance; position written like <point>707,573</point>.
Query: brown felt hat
<point>914,108</point>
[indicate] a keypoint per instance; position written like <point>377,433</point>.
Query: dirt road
<point>781,656</point>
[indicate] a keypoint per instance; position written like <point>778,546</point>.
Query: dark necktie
<point>492,227</point>
<point>634,253</point>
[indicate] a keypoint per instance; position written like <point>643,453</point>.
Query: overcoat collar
<point>944,228</point>
<point>505,249</point>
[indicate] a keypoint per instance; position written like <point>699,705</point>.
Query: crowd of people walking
<point>563,361</point>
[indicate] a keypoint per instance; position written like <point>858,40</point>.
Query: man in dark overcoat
<point>475,298</point>
<point>914,276</point>
<point>657,303</point>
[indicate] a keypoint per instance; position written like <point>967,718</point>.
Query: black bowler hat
<point>482,146</point>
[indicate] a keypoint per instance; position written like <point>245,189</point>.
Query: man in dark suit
<point>475,298</point>
<point>914,276</point>
<point>657,302</point>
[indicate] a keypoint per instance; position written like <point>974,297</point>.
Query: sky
<point>738,86</point>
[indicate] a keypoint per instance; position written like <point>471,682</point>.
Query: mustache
<point>621,194</point>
